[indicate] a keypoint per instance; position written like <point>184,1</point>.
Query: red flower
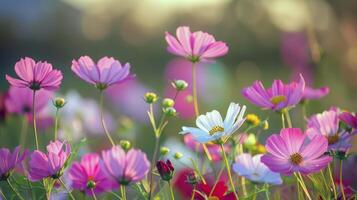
<point>219,192</point>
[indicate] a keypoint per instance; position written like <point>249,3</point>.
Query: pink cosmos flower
<point>51,164</point>
<point>312,93</point>
<point>19,100</point>
<point>35,75</point>
<point>195,46</point>
<point>106,72</point>
<point>9,161</point>
<point>327,125</point>
<point>349,119</point>
<point>126,167</point>
<point>292,151</point>
<point>276,98</point>
<point>89,175</point>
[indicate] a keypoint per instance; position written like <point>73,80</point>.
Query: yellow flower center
<point>332,139</point>
<point>216,129</point>
<point>278,99</point>
<point>296,158</point>
<point>253,119</point>
<point>213,198</point>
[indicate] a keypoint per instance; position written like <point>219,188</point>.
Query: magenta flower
<point>35,75</point>
<point>126,167</point>
<point>89,175</point>
<point>19,100</point>
<point>327,125</point>
<point>312,94</point>
<point>276,98</point>
<point>9,161</point>
<point>349,119</point>
<point>105,73</point>
<point>51,164</point>
<point>291,151</point>
<point>195,46</point>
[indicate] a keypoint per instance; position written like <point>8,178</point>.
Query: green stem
<point>23,134</point>
<point>288,119</point>
<point>93,194</point>
<point>304,113</point>
<point>56,125</point>
<point>303,185</point>
<point>193,193</point>
<point>282,119</point>
<point>65,187</point>
<point>267,192</point>
<point>171,191</point>
<point>157,142</point>
<point>30,186</point>
<point>14,190</point>
<point>34,118</point>
<point>332,181</point>
<point>195,104</point>
<point>341,183</point>
<point>2,194</point>
<point>229,172</point>
<point>102,118</point>
<point>123,193</point>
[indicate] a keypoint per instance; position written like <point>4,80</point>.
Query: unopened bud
<point>59,102</point>
<point>125,144</point>
<point>150,97</point>
<point>178,155</point>
<point>179,85</point>
<point>170,111</point>
<point>167,102</point>
<point>192,178</point>
<point>164,151</point>
<point>265,125</point>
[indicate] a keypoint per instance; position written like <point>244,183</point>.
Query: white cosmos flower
<point>211,127</point>
<point>254,170</point>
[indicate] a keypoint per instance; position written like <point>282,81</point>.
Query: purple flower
<point>165,169</point>
<point>9,161</point>
<point>349,119</point>
<point>51,164</point>
<point>312,94</point>
<point>253,169</point>
<point>19,100</point>
<point>105,73</point>
<point>327,124</point>
<point>291,151</point>
<point>89,175</point>
<point>276,98</point>
<point>195,46</point>
<point>126,167</point>
<point>35,75</point>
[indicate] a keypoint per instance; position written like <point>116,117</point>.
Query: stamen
<point>296,159</point>
<point>216,129</point>
<point>278,99</point>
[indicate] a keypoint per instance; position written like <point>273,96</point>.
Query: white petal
<point>203,123</point>
<point>231,115</point>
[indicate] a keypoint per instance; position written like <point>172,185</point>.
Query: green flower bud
<point>150,97</point>
<point>91,184</point>
<point>59,102</point>
<point>178,155</point>
<point>164,151</point>
<point>125,144</point>
<point>251,140</point>
<point>170,111</point>
<point>167,102</point>
<point>179,85</point>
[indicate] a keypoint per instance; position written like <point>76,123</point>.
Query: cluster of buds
<point>165,169</point>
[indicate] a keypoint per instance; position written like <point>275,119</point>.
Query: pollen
<point>332,139</point>
<point>278,99</point>
<point>216,129</point>
<point>253,119</point>
<point>296,159</point>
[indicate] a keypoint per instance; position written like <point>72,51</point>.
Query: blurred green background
<point>268,40</point>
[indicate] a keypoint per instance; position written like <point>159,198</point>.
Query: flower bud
<point>178,155</point>
<point>165,170</point>
<point>91,184</point>
<point>125,144</point>
<point>265,125</point>
<point>250,140</point>
<point>164,151</point>
<point>170,111</point>
<point>150,97</point>
<point>252,120</point>
<point>192,178</point>
<point>167,102</point>
<point>59,102</point>
<point>179,85</point>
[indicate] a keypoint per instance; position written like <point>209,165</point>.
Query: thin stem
<point>267,192</point>
<point>282,119</point>
<point>34,118</point>
<point>23,134</point>
<point>288,119</point>
<point>195,104</point>
<point>2,194</point>
<point>171,190</point>
<point>341,183</point>
<point>324,180</point>
<point>193,193</point>
<point>93,194</point>
<point>122,191</point>
<point>68,191</point>
<point>56,125</point>
<point>157,142</point>
<point>303,113</point>
<point>102,118</point>
<point>14,190</point>
<point>332,181</point>
<point>195,167</point>
<point>229,172</point>
<point>303,186</point>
